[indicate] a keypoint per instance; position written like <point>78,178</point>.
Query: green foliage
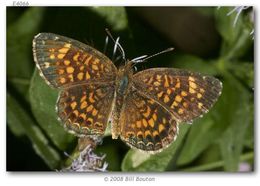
<point>43,102</point>
<point>219,141</point>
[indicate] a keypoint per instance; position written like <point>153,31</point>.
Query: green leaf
<point>225,24</point>
<point>136,160</point>
<point>115,16</point>
<point>217,164</point>
<point>18,117</point>
<point>13,121</point>
<point>201,135</point>
<point>236,38</point>
<point>244,71</point>
<point>237,120</point>
<point>20,63</point>
<point>196,64</point>
<point>43,101</point>
<point>19,43</point>
<point>249,136</point>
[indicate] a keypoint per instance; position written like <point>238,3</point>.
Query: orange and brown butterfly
<point>145,108</point>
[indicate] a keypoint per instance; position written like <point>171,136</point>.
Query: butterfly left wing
<point>145,124</point>
<point>85,110</point>
<point>187,95</point>
<point>64,62</point>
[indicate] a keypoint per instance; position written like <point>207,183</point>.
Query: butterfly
<point>144,108</point>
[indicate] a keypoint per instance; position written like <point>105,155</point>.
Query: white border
<point>96,179</point>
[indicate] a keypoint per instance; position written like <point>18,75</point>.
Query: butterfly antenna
<point>115,49</point>
<point>116,43</point>
<point>105,47</point>
<point>145,57</point>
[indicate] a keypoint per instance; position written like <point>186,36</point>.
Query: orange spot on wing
<point>157,83</point>
<point>166,83</point>
<point>83,116</point>
<point>154,117</point>
<point>76,113</point>
<point>67,45</point>
<point>191,90</point>
<point>61,71</point>
<point>63,50</point>
<point>139,124</point>
<point>71,78</point>
<point>70,70</point>
<point>178,98</point>
<point>83,98</point>
<point>166,99</point>
<point>66,62</point>
<point>164,120</point>
<point>90,107</point>
<point>192,85</point>
<point>161,128</point>
<point>91,99</point>
<point>90,120</point>
<point>94,112</point>
<point>96,61</point>
<point>191,78</point>
<point>75,57</point>
<point>145,123</point>
<point>52,56</point>
<point>81,67</point>
<point>200,105</point>
<point>178,84</point>
<point>147,132</point>
<point>147,113</point>
<point>180,111</point>
<point>155,133</point>
<point>94,67</point>
<point>185,104</point>
<point>199,95</point>
<point>159,95</point>
<point>139,134</point>
<point>151,122</point>
<point>158,77</point>
<point>184,93</point>
<point>88,60</point>
<point>61,56</point>
<point>83,105</point>
<point>174,104</point>
<point>62,80</point>
<point>80,75</point>
<point>87,75</point>
<point>73,105</point>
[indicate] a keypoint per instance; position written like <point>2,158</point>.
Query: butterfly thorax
<point>123,85</point>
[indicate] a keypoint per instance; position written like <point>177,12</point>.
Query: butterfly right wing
<point>64,62</point>
<point>187,95</point>
<point>145,124</point>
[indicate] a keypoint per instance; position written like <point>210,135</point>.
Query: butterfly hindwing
<point>145,124</point>
<point>84,110</point>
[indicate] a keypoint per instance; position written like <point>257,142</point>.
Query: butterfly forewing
<point>64,62</point>
<point>185,94</point>
<point>84,110</point>
<point>145,124</point>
